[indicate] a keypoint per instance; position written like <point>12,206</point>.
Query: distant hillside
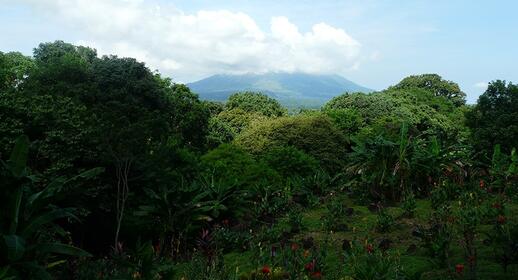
<point>291,89</point>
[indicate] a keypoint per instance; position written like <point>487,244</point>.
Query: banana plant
<point>28,246</point>
<point>176,213</point>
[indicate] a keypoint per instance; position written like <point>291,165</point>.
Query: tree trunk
<point>122,169</point>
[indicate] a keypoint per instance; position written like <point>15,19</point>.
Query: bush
<point>313,134</point>
<point>290,161</point>
<point>385,221</point>
<point>229,164</point>
<point>367,262</point>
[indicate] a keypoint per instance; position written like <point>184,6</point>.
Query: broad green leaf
<point>16,210</point>
<point>18,160</point>
<point>15,247</point>
<point>46,218</point>
<point>59,248</point>
<point>4,274</point>
<point>88,174</point>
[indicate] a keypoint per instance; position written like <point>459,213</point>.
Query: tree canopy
<point>435,84</point>
<point>493,120</point>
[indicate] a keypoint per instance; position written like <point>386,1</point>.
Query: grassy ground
<point>413,257</point>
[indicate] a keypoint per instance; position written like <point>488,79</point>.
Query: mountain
<point>291,89</point>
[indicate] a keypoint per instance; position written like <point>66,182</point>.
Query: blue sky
<point>374,43</point>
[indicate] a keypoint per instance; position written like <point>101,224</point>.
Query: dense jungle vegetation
<point>112,171</point>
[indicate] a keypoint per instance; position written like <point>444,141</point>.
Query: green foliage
<point>348,120</point>
<point>290,161</point>
<point>312,134</point>
<point>238,119</point>
<point>232,165</point>
<point>493,120</point>
<point>409,204</point>
<point>295,220</point>
<point>419,108</point>
<point>385,221</point>
<point>254,102</point>
<point>199,268</point>
<point>14,68</point>
<point>334,217</point>
<point>141,263</point>
<point>366,262</point>
<point>253,180</point>
<point>436,85</point>
<point>29,234</point>
<point>437,235</point>
<point>219,132</point>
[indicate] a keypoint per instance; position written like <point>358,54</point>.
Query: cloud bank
<point>191,46</point>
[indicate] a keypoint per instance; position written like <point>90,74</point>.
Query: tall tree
<point>436,84</point>
<point>494,120</point>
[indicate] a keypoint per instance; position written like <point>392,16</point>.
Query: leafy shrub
<point>312,134</point>
<point>141,263</point>
<point>289,161</point>
<point>409,204</point>
<point>295,219</point>
<point>335,215</point>
<point>437,236</point>
<point>384,221</point>
<point>367,262</point>
<point>199,268</point>
<point>231,165</point>
<point>228,239</point>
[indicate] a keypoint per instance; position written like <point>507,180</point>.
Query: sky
<point>373,43</point>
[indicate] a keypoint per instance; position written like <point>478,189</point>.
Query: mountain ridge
<point>288,88</point>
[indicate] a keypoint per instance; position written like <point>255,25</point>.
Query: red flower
<point>316,275</point>
<point>294,246</point>
<point>310,266</point>
<point>226,222</point>
<point>266,270</point>
<point>497,205</point>
<point>500,219</point>
<point>459,268</point>
<point>482,184</point>
<point>369,248</point>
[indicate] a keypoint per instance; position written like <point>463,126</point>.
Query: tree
<point>14,69</point>
<point>254,102</point>
<point>435,84</point>
<point>84,111</point>
<point>494,120</point>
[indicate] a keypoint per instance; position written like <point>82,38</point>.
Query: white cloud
<point>481,85</point>
<point>191,46</point>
